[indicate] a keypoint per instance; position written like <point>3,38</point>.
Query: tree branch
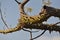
<point>52,11</point>
<point>2,17</point>
<point>37,20</point>
<point>17,2</point>
<point>44,27</point>
<point>10,30</point>
<point>21,7</point>
<point>39,35</point>
<point>20,24</point>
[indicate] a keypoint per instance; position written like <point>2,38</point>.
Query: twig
<point>2,17</point>
<point>26,30</point>
<point>29,30</point>
<point>17,2</point>
<point>31,36</point>
<point>56,23</point>
<point>36,36</point>
<point>39,35</point>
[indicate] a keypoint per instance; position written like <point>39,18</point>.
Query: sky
<point>11,14</point>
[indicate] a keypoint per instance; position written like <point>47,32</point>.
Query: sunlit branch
<point>21,7</point>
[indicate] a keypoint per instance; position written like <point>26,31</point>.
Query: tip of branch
<point>17,2</point>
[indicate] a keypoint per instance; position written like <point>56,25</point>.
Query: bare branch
<point>26,30</point>
<point>24,2</point>
<point>31,36</point>
<point>52,11</point>
<point>10,30</point>
<point>17,2</point>
<point>29,30</point>
<point>47,12</point>
<point>44,27</point>
<point>56,23</point>
<point>39,35</point>
<point>21,7</point>
<point>2,17</point>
